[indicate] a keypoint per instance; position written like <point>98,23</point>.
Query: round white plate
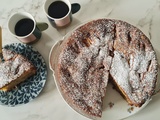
<point>114,105</point>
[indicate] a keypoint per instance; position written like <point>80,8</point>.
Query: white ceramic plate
<point>114,105</point>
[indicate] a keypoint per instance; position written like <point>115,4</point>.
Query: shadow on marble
<point>63,31</point>
<point>46,38</point>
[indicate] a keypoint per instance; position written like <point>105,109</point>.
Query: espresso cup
<point>23,26</point>
<point>58,12</point>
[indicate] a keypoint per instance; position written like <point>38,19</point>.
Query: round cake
<point>100,51</point>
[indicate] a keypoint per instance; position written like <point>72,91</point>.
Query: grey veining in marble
<point>49,105</point>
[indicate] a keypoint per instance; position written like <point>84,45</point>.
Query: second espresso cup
<point>58,12</point>
<point>23,26</point>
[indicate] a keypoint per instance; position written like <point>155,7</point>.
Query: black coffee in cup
<point>58,9</point>
<point>24,27</point>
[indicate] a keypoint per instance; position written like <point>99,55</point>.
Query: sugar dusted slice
<point>14,70</point>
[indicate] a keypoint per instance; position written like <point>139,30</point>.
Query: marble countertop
<point>145,14</point>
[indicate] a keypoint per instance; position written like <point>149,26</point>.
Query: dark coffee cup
<point>23,26</point>
<point>58,12</point>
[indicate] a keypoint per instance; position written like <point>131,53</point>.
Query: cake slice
<point>134,65</point>
<point>14,70</point>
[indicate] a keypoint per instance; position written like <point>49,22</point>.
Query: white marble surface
<point>49,105</point>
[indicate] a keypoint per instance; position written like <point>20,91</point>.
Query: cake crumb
<point>111,104</point>
<point>130,109</point>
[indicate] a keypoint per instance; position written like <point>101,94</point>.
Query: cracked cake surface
<point>103,50</point>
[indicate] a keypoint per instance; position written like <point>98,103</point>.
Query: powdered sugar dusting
<point>13,67</point>
<point>120,71</point>
<point>103,47</point>
<point>134,58</point>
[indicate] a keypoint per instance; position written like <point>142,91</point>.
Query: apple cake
<point>15,69</point>
<point>100,51</point>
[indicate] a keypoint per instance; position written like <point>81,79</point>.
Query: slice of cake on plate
<point>15,69</point>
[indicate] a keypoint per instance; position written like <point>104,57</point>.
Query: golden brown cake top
<point>14,66</point>
<point>102,47</point>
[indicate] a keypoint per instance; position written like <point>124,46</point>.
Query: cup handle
<point>75,7</point>
<point>42,26</point>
